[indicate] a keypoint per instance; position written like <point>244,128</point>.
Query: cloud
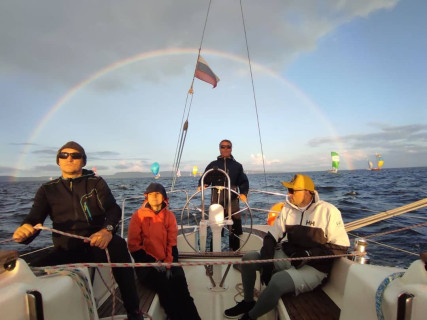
<point>68,41</point>
<point>6,170</point>
<point>398,144</point>
<point>45,152</point>
<point>125,165</point>
<point>256,160</point>
<point>103,155</point>
<point>46,169</point>
<point>22,144</point>
<point>388,137</point>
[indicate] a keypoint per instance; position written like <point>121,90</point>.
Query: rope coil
<point>379,296</point>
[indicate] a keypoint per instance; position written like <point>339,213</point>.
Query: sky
<point>343,76</point>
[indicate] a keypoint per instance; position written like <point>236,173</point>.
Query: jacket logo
<point>309,223</point>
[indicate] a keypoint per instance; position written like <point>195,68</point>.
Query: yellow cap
<point>300,182</point>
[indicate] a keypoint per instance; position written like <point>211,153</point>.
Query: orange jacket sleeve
<point>135,233</point>
<point>172,234</point>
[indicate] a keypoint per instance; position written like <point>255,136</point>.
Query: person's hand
<point>100,239</point>
<point>160,268</point>
<point>243,197</point>
<point>299,254</point>
<point>199,188</point>
<point>267,272</point>
<point>24,232</point>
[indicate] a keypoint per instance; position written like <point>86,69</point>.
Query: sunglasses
<point>74,155</point>
<point>225,146</point>
<point>291,191</point>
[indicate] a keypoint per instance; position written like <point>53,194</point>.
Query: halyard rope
<point>60,268</point>
<point>385,215</point>
<point>6,240</point>
<point>177,264</point>
<point>82,281</point>
<point>199,263</point>
<point>379,296</point>
<point>68,265</point>
<point>396,230</point>
<point>392,231</point>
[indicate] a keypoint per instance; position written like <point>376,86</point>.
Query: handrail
<point>123,219</point>
<point>385,215</point>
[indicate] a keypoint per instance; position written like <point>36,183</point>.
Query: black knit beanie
<point>75,146</point>
<point>156,187</point>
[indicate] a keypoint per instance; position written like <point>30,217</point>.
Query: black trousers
<point>118,253</point>
<point>173,291</point>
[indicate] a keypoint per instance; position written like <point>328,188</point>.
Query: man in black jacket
<point>239,182</point>
<point>82,204</point>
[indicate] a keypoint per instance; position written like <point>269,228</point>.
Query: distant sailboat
<point>178,173</point>
<point>195,169</point>
<point>380,163</point>
<point>155,169</point>
<point>335,162</point>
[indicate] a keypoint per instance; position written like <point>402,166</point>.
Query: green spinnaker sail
<point>335,160</point>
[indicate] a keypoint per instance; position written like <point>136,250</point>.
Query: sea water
<point>357,193</point>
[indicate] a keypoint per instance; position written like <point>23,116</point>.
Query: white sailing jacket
<point>319,230</point>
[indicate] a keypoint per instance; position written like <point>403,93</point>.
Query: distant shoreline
<point>166,174</point>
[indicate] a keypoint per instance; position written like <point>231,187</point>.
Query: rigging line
<point>175,165</point>
<point>201,40</point>
<point>385,215</point>
<point>416,217</point>
<point>353,207</point>
<point>253,92</point>
<point>181,144</point>
<point>204,27</point>
<point>178,153</point>
<point>396,230</point>
<point>391,247</point>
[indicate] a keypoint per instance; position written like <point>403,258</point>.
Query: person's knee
<point>282,283</point>
<point>252,255</point>
<point>118,250</point>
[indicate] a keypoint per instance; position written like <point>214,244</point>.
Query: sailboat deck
<point>145,294</point>
<point>315,305</point>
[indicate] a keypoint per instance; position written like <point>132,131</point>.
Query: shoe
<point>239,309</point>
<point>245,317</point>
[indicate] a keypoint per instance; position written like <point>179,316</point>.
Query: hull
<point>350,293</point>
<point>351,286</point>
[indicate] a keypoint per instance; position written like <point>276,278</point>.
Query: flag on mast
<point>204,72</point>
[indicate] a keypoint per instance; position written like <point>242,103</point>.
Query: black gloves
<point>267,272</point>
<point>299,254</point>
<point>267,252</point>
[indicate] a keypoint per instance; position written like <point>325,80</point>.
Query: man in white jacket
<point>313,228</point>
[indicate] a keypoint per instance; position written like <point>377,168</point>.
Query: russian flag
<point>204,72</point>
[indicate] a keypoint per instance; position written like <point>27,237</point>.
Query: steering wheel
<point>193,211</point>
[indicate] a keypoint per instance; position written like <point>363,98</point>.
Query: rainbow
<point>161,53</point>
